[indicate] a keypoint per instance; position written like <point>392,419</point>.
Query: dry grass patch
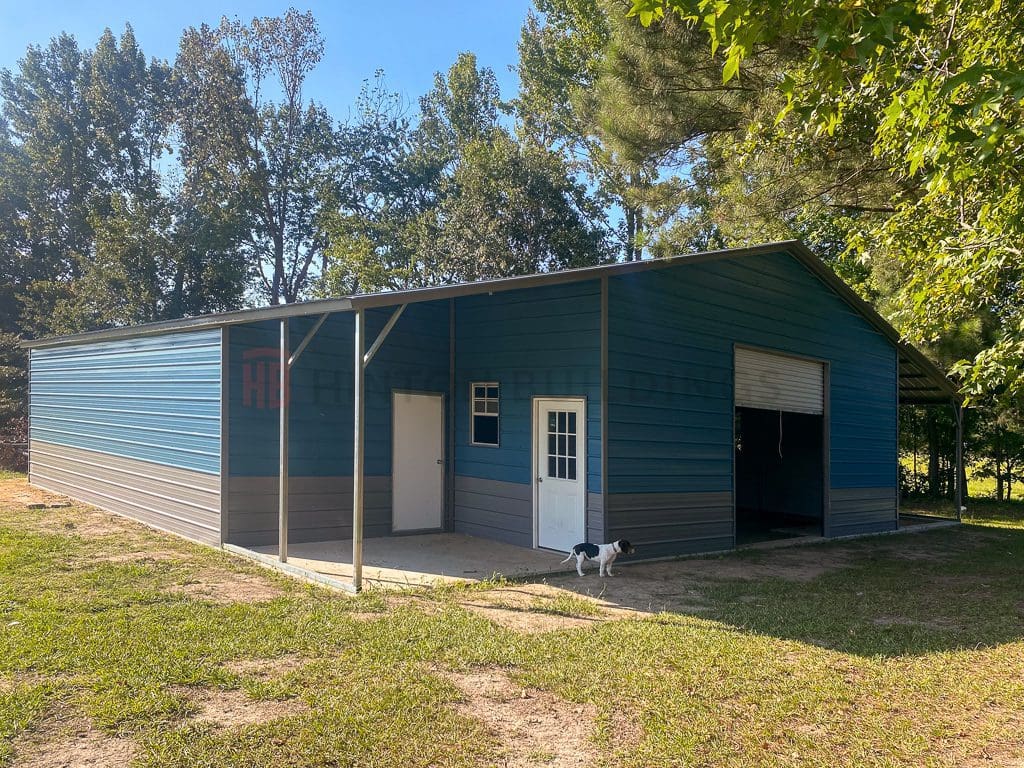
<point>89,522</point>
<point>59,514</point>
<point>224,587</point>
<point>532,727</point>
<point>235,709</point>
<point>266,669</point>
<point>526,621</point>
<point>71,743</point>
<point>12,681</point>
<point>16,492</point>
<point>537,608</point>
<point>138,557</point>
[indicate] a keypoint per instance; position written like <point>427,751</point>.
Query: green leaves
<point>732,66</point>
<point>920,107</point>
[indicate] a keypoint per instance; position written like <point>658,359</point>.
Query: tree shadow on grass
<point>911,594</point>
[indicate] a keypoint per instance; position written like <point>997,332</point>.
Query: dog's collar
<point>615,548</point>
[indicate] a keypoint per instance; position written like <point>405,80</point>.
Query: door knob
<point>540,479</point>
<point>440,461</point>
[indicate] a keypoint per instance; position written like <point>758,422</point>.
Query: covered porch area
<point>364,442</point>
<point>394,562</point>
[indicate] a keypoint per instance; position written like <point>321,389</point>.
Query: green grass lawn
<point>885,651</point>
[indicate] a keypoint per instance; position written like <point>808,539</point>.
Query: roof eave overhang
<point>201,322</point>
<point>941,389</point>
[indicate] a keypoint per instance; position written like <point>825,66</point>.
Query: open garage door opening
<point>779,475</point>
<point>780,435</point>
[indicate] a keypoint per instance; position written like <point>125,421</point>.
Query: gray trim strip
<point>494,509</point>
<point>176,500</point>
<point>862,510</point>
<point>319,508</point>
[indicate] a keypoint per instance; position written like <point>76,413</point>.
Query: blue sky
<point>409,40</point>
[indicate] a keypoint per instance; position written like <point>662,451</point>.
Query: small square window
<point>484,413</point>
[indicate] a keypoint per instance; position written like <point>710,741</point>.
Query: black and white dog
<point>605,555</point>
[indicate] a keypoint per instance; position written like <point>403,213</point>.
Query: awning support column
<point>357,451</point>
<point>282,482</point>
<point>362,359</point>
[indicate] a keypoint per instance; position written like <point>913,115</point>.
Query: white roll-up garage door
<point>778,382</point>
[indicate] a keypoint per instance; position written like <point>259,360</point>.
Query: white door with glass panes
<point>560,487</point>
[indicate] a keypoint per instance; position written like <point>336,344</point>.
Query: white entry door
<point>417,470</point>
<point>560,488</point>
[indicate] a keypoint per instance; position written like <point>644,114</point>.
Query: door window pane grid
<point>561,453</point>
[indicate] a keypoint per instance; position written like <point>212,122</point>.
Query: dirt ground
<point>63,514</point>
<point>228,587</point>
<point>72,743</point>
<point>572,602</point>
<point>675,585</point>
<point>534,727</point>
<point>235,709</point>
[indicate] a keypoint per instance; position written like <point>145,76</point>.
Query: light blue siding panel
<point>534,342</point>
<point>154,399</point>
<point>670,393</point>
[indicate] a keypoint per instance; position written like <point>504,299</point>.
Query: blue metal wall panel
<point>533,342</point>
<point>414,357</point>
<point>670,389</point>
<point>153,399</point>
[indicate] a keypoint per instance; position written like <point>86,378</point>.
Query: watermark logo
<point>261,378</point>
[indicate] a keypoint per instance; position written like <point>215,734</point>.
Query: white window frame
<point>473,412</point>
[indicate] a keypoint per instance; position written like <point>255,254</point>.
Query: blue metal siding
<point>414,357</point>
<point>153,399</point>
<point>670,392</point>
<point>533,342</point>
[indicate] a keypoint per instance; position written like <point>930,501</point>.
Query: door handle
<point>440,461</point>
<point>540,479</point>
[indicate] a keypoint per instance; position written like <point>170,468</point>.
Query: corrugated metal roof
<point>921,381</point>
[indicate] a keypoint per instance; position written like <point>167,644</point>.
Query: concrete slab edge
<point>272,563</point>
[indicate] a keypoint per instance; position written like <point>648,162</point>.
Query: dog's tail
<point>570,557</point>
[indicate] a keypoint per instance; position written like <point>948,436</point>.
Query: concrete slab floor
<point>417,560</point>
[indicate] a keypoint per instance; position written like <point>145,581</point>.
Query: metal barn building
<point>686,404</point>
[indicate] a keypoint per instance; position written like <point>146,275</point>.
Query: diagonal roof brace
<point>308,338</point>
<point>383,334</point>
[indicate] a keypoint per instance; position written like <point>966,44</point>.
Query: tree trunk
<point>917,439</point>
<point>963,483</point>
<point>176,309</point>
<point>277,286</point>
<point>630,232</point>
<point>932,429</point>
<point>638,250</point>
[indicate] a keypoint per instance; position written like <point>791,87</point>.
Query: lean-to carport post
<point>282,482</point>
<point>357,450</point>
<point>958,412</point>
